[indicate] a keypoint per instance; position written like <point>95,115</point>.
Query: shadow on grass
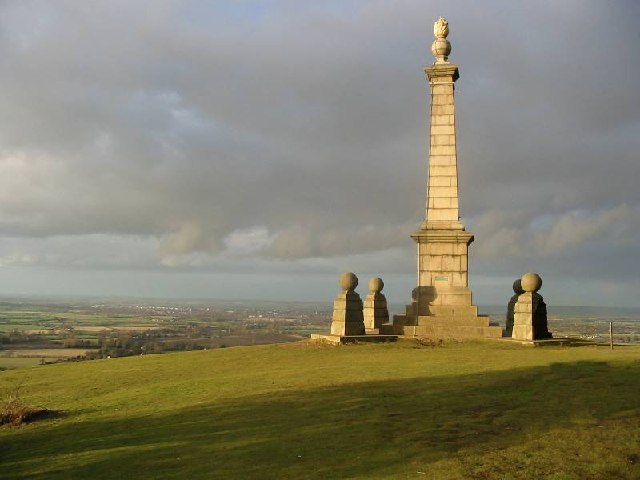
<point>376,429</point>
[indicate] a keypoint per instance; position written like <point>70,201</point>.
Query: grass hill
<point>459,410</point>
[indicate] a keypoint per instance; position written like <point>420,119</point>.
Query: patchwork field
<point>469,410</point>
<point>51,332</point>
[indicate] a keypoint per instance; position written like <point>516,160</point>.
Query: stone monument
<point>530,312</point>
<point>347,308</point>
<point>442,305</point>
<point>375,307</point>
<point>517,289</point>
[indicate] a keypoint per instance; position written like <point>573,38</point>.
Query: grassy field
<point>21,358</point>
<point>22,362</point>
<point>470,410</point>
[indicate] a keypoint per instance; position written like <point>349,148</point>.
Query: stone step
<point>457,331</point>
<point>453,311</point>
<point>399,319</point>
<point>437,321</point>
<point>442,310</point>
<point>391,329</point>
<point>472,320</point>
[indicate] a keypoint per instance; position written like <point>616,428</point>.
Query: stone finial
<point>441,48</point>
<point>375,285</point>
<point>531,282</point>
<point>348,281</point>
<point>441,28</point>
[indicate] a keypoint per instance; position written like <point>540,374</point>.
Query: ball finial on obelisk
<point>441,48</point>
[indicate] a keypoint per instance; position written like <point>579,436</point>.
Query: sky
<point>256,149</point>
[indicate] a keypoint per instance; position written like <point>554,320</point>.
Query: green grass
<point>10,319</point>
<point>21,362</point>
<point>471,410</point>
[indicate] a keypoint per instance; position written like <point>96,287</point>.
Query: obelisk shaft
<point>442,241</point>
<point>442,191</point>
<point>441,304</point>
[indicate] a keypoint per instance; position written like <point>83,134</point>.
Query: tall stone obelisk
<point>442,304</point>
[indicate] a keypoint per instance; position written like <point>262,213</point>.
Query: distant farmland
<point>47,333</point>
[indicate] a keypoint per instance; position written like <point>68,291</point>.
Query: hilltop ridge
<point>454,410</point>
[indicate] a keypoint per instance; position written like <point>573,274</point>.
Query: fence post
<point>611,335</point>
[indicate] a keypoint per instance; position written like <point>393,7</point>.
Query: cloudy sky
<point>256,149</point>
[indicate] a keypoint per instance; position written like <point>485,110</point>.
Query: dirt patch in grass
<point>15,411</point>
<point>25,414</point>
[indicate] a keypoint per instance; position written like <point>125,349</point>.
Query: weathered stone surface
<point>531,282</point>
<point>347,308</point>
<point>375,306</point>
<point>348,281</point>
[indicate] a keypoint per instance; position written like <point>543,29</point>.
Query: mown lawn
<point>461,410</point>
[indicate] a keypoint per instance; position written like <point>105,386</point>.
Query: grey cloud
<point>555,236</point>
<point>187,124</point>
<point>302,241</point>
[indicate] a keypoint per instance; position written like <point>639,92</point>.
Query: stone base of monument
<point>345,339</point>
<point>446,322</point>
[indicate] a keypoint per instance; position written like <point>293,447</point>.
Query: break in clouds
<point>291,135</point>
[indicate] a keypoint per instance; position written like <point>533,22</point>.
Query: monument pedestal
<point>442,303</point>
<point>347,315</point>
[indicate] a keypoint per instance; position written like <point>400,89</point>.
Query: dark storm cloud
<point>281,130</point>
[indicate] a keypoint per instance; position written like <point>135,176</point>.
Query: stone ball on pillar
<point>517,287</point>
<point>441,48</point>
<point>530,282</point>
<point>348,281</point>
<point>376,285</point>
